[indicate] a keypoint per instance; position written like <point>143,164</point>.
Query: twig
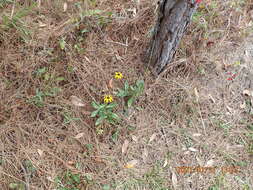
<point>12,10</point>
<point>27,183</point>
<point>126,45</point>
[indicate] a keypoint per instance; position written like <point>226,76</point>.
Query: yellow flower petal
<point>108,98</point>
<point>131,164</point>
<point>118,75</point>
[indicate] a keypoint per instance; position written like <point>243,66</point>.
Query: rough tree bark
<point>173,18</point>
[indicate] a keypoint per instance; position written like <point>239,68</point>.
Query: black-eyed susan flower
<point>108,99</point>
<point>118,75</point>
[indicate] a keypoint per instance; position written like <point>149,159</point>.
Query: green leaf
<point>126,86</point>
<point>47,76</point>
<point>89,146</point>
<point>100,120</point>
<point>95,105</point>
<point>76,178</point>
<point>115,136</point>
<point>91,12</point>
<point>140,83</point>
<point>130,102</point>
<point>41,71</point>
<point>115,116</point>
<point>109,106</point>
<point>55,90</point>
<point>84,31</point>
<point>133,89</point>
<point>106,187</point>
<point>121,93</point>
<point>214,187</point>
<point>94,113</point>
<point>60,79</point>
<point>13,185</point>
<point>62,44</point>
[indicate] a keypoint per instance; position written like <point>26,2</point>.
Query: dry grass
<point>192,115</point>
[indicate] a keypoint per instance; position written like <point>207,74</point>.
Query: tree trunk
<point>173,19</point>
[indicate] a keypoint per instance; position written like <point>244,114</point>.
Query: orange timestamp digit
<point>230,169</point>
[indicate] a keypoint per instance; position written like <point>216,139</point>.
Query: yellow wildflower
<point>99,131</point>
<point>118,75</point>
<point>108,98</point>
<point>131,164</point>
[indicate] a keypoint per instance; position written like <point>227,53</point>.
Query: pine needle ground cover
<point>78,109</point>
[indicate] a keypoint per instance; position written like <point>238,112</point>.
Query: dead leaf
<point>99,160</point>
<point>125,146</point>
<point>209,163</point>
<point>238,146</point>
<point>42,25</point>
<point>50,179</point>
<point>200,162</point>
<point>76,101</point>
<point>193,149</point>
<point>174,180</point>
<point>40,152</point>
<point>71,162</point>
<point>237,63</point>
<point>145,155</point>
<point>247,93</point>
<point>152,137</point>
<point>211,98</point>
<point>86,112</point>
<point>165,163</point>
<point>119,58</point>
<point>243,105</point>
<point>196,94</point>
<point>79,135</point>
<point>229,109</point>
<point>65,6</point>
<point>39,3</point>
<point>131,164</point>
<point>111,83</point>
<point>134,138</point>
<point>87,59</point>
<point>196,134</point>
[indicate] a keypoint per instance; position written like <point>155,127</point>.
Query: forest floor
<point>191,128</point>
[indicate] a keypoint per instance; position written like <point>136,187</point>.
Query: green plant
<point>50,78</point>
<point>78,48</point>
<point>115,136</point>
<point>155,178</point>
<point>5,2</point>
<point>225,126</point>
<point>17,186</point>
<point>39,97</point>
<point>15,21</point>
<point>69,181</point>
<point>30,169</point>
<point>213,187</point>
<point>39,72</point>
<point>69,118</point>
<point>62,43</point>
<point>104,112</point>
<point>131,92</point>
